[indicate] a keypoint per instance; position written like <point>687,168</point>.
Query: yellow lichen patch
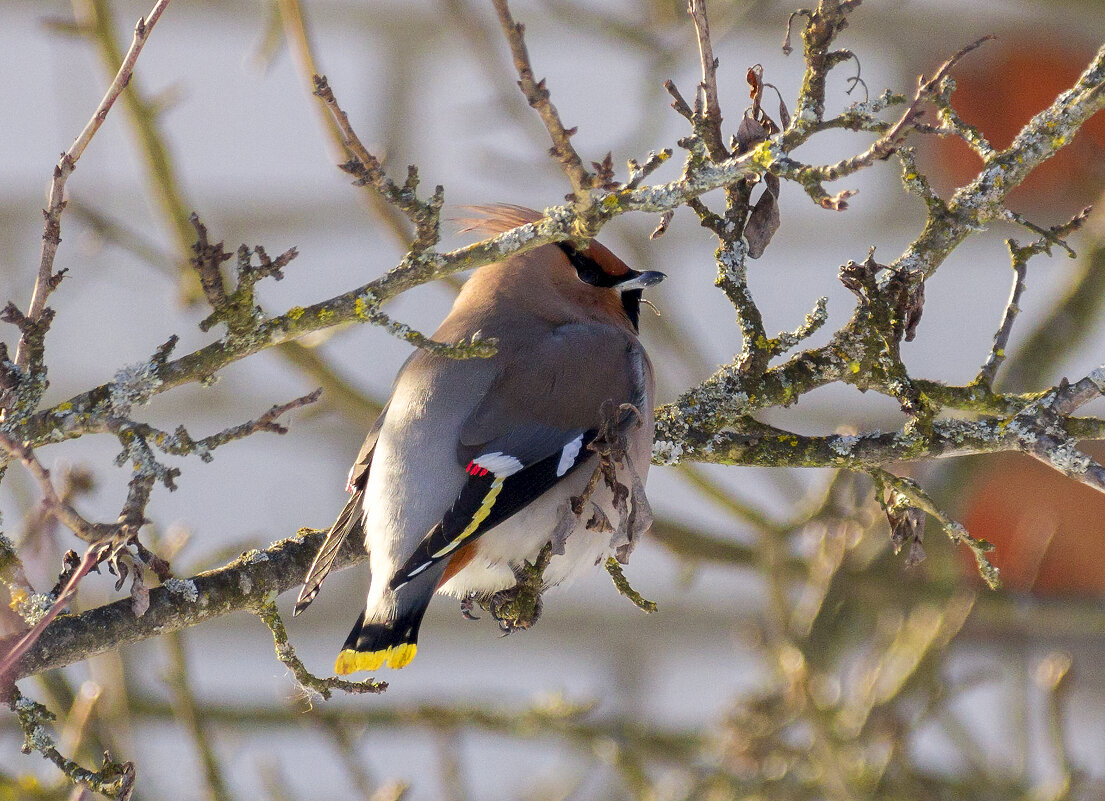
<point>18,596</point>
<point>295,313</point>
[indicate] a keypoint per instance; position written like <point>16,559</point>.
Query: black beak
<point>641,281</point>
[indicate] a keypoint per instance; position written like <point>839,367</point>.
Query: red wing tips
<point>499,463</point>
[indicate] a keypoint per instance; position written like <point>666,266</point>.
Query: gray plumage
<point>463,443</point>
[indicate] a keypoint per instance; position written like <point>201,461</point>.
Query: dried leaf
<point>566,522</point>
<point>662,227</point>
<point>764,221</point>
<point>754,84</point>
<point>599,521</point>
<point>139,594</point>
<point>636,521</point>
<point>907,524</point>
<point>915,306</point>
<point>749,132</point>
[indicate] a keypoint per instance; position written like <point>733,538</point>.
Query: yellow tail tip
<point>396,656</point>
<point>401,655</point>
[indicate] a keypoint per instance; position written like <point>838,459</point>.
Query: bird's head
<point>590,278</point>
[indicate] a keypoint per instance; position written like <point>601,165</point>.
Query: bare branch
<point>425,216</point>
<point>711,114</point>
<point>1020,256</point>
<point>26,355</point>
<point>537,95</point>
<point>114,780</point>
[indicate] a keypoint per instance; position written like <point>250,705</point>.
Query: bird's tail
<point>388,639</point>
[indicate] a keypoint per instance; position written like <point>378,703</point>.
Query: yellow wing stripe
<point>480,515</point>
<point>395,656</point>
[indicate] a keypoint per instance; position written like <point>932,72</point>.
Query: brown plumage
<point>467,473</point>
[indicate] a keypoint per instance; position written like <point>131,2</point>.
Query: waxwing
<point>470,466</point>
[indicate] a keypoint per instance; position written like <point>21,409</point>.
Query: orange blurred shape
<point>1000,87</point>
<point>1049,530</point>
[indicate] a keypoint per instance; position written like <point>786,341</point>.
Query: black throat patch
<point>590,272</point>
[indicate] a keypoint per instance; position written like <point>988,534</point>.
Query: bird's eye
<point>588,269</point>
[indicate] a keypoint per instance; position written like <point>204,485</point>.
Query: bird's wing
<point>532,430</point>
<point>349,519</point>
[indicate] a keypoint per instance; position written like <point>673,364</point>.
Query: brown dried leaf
<point>764,220</point>
<point>915,306</point>
<point>566,523</point>
<point>139,593</point>
<point>749,132</point>
<point>907,524</point>
<point>662,227</point>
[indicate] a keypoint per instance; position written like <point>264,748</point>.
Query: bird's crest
<point>495,218</point>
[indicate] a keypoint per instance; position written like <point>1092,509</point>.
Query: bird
<point>470,466</point>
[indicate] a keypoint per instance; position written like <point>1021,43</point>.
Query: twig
<point>982,200</point>
<point>638,172</point>
<point>813,321</point>
<point>1073,313</point>
<point>94,19</point>
<point>1020,258</point>
<point>91,558</point>
<point>346,746</point>
<point>955,531</point>
<point>885,145</point>
<point>537,95</point>
<point>310,683</point>
<point>623,586</point>
<point>89,532</point>
<point>556,720</point>
<point>114,780</point>
<point>1039,432</point>
<point>180,442</point>
<point>298,39</point>
<point>51,237</point>
<point>425,216</point>
<point>711,114</point>
<point>823,23</point>
<point>474,348</point>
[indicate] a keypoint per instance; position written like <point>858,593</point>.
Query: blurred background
<point>793,655</point>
